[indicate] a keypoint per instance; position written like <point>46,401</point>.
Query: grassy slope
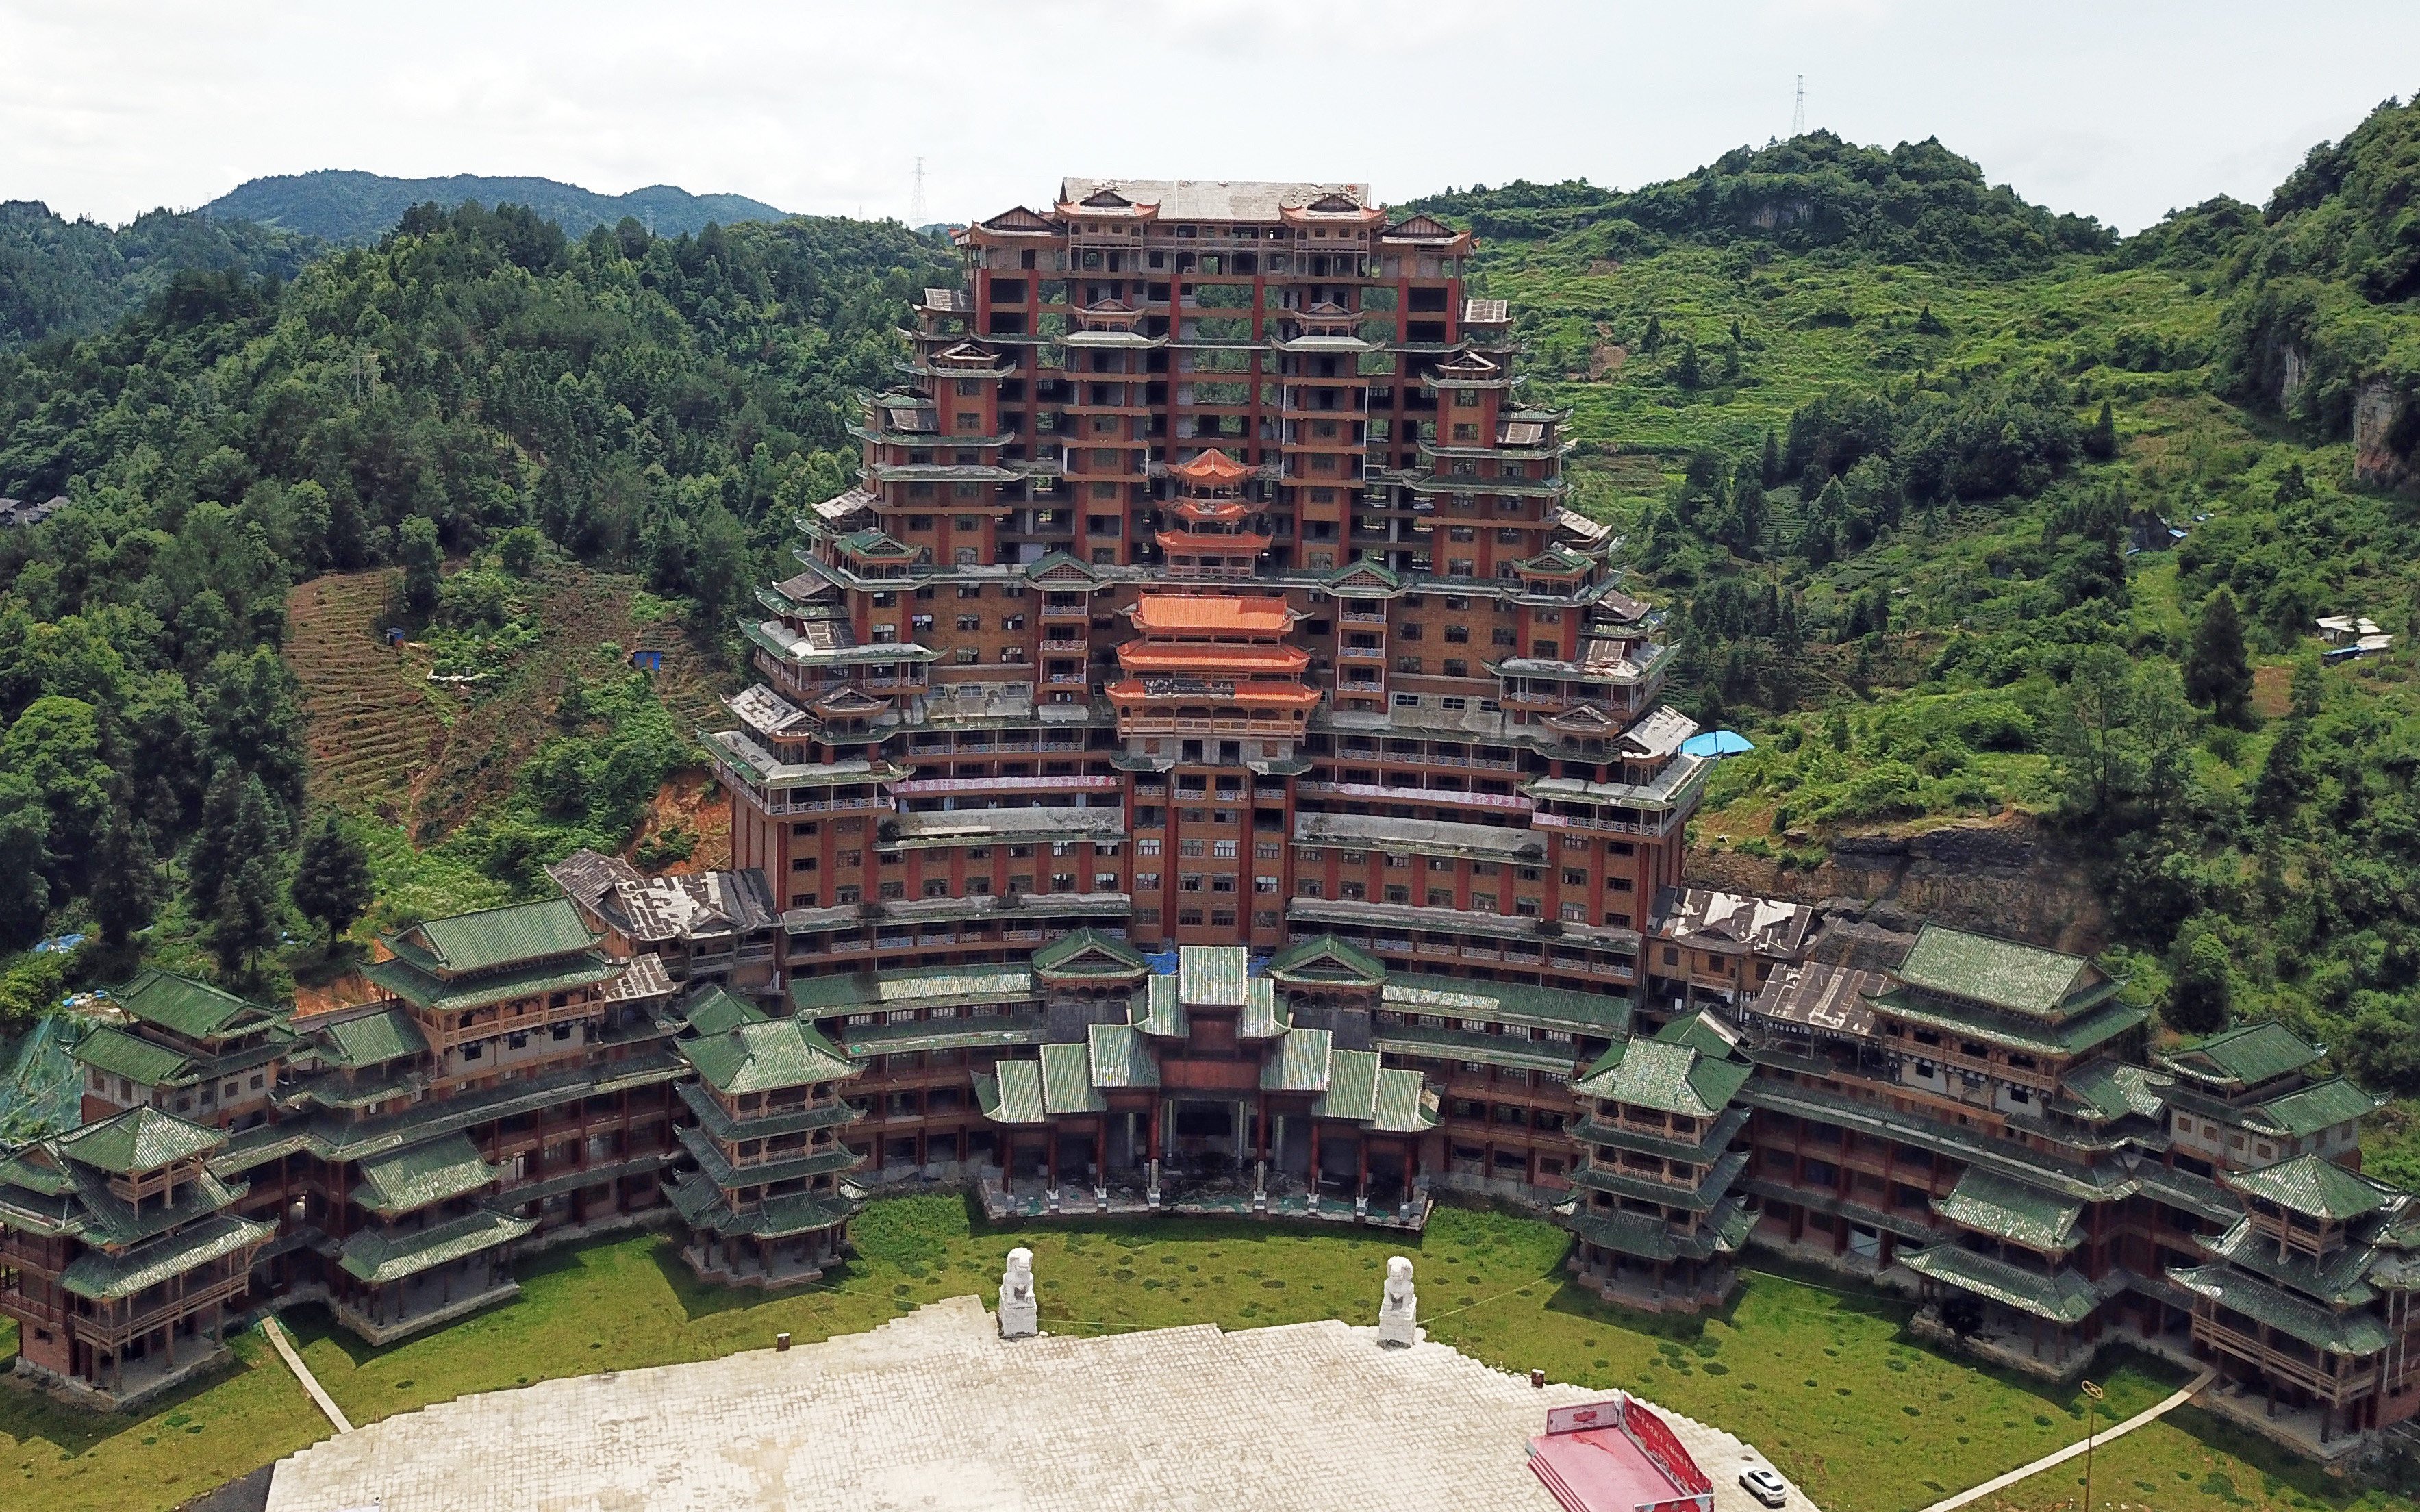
<point>1863,1419</point>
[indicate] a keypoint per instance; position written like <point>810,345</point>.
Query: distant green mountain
<point>63,277</point>
<point>345,204</point>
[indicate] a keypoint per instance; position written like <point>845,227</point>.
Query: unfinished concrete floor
<point>933,1413</point>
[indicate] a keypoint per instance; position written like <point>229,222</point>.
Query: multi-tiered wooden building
<point>1208,585</point>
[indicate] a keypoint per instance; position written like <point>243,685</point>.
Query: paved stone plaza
<point>933,1413</point>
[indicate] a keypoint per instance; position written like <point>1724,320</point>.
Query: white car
<point>1764,1486</point>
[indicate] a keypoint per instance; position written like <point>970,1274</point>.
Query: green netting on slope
<point>39,1089</point>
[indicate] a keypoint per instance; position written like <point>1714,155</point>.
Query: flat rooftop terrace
<point>933,1411</point>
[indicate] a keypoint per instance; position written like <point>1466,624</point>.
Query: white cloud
<point>2120,112</point>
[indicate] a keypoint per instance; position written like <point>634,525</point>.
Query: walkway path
<point>276,1332</point>
<point>2061,1456</point>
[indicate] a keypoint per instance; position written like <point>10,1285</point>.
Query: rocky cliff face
<point>2383,435</point>
<point>2008,876</point>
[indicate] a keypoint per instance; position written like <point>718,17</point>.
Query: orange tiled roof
<point>1213,467</point>
<point>1211,660</point>
<point>1187,614</point>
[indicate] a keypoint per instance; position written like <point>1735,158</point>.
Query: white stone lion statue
<point>1399,1305</point>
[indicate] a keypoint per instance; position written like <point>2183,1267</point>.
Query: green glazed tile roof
<point>2315,1187</point>
<point>437,994</point>
<point>2062,1297</point>
<point>1602,1015</point>
<point>1981,968</point>
<point>377,1257</point>
<point>702,1204</point>
<point>137,1140</point>
<point>138,1060</point>
<point>1651,1073</point>
<point>1352,1085</point>
<point>1301,1062</point>
<point>106,1277</point>
<point>1702,1032</point>
<point>1067,1079</point>
<point>2342,1279</point>
<point>765,1056</point>
<point>1163,1014</point>
<point>1211,977</point>
<point>494,938</point>
<point>1703,1196</point>
<point>371,1040</point>
<point>2297,1114</point>
<point>723,1123</point>
<point>2244,1057</point>
<point>1327,958</point>
<point>718,1010</point>
<point>1120,1057</point>
<point>1722,1232</point>
<point>2111,1089</point>
<point>2350,1333</point>
<point>1263,1017</point>
<point>413,1179</point>
<point>928,987</point>
<point>1405,1104</point>
<point>800,1165</point>
<point>2072,1035</point>
<point>193,1009</point>
<point>2011,1210</point>
<point>1090,953</point>
<point>1012,1094</point>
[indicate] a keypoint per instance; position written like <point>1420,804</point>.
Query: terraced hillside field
<point>372,723</point>
<point>385,741</point>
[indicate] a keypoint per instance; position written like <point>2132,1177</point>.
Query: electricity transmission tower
<point>1797,114</point>
<point>916,203</point>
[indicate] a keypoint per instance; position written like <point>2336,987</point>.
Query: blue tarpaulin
<point>1717,743</point>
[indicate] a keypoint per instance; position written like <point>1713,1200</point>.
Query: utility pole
<point>916,202</point>
<point>2091,1399</point>
<point>1798,113</point>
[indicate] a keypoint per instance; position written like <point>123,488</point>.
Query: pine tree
<point>2218,674</point>
<point>1686,372</point>
<point>1769,466</point>
<point>2284,780</point>
<point>2309,688</point>
<point>332,878</point>
<point>2101,442</point>
<point>423,563</point>
<point>2201,982</point>
<point>126,878</point>
<point>243,920</point>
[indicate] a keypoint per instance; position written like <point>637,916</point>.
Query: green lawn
<point>1822,1381</point>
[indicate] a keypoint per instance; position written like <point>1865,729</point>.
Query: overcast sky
<point>2117,109</point>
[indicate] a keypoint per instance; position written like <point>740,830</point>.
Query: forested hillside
<point>348,206</point>
<point>63,277</point>
<point>476,386</point>
<point>1961,507</point>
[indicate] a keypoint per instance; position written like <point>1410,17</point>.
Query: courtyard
<point>1823,1381</point>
